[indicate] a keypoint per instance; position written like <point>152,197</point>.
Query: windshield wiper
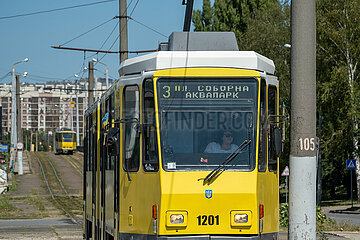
<point>229,158</point>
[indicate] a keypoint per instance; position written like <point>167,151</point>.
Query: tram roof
<point>198,49</point>
<point>181,59</point>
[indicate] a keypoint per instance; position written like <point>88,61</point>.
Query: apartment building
<point>47,107</point>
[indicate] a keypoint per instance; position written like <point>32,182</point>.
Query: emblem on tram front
<point>208,194</point>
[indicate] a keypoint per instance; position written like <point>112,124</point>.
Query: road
<point>53,228</point>
<point>352,219</point>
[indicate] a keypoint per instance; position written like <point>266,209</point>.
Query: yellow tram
<point>185,145</point>
<point>65,141</point>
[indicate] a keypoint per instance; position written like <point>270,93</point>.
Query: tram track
<point>75,162</point>
<point>55,186</point>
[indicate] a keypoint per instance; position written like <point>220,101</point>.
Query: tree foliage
<point>338,34</point>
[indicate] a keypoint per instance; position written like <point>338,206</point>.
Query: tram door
<point>88,178</point>
<point>109,160</point>
<point>94,173</point>
<point>268,178</point>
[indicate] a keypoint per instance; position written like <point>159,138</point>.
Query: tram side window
<point>262,129</point>
<point>272,104</point>
<point>131,115</point>
<point>150,158</point>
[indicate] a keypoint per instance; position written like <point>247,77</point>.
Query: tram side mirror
<point>139,127</point>
<point>276,140</point>
<point>112,141</point>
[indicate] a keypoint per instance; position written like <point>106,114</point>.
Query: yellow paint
<point>206,72</point>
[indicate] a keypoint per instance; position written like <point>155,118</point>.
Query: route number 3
<point>307,144</point>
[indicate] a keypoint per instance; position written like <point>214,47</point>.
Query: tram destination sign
<point>207,90</point>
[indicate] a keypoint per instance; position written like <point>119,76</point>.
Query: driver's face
<point>227,137</point>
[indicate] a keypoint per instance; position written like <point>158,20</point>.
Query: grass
<point>37,202</point>
<point>73,205</point>
<point>5,206</point>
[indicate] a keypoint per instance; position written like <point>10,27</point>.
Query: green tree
<point>227,15</point>
<point>338,84</point>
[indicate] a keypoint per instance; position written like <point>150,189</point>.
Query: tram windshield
<point>67,137</point>
<point>202,121</point>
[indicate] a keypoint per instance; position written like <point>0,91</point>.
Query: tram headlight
<point>176,219</point>
<point>240,218</point>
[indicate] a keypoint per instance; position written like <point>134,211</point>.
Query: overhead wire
<point>6,75</point>
<point>144,25</point>
<point>56,9</point>
<point>125,11</point>
<point>87,31</point>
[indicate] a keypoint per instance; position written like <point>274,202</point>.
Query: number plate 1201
<point>208,220</point>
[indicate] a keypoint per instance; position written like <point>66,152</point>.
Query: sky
<point>32,36</point>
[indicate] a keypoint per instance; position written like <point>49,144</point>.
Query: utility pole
<point>54,137</point>
<point>31,140</point>
<point>302,195</point>
<point>13,120</point>
<point>18,110</point>
<point>13,115</point>
<point>18,127</point>
<point>123,30</point>
<point>36,141</point>
<point>91,84</point>
<point>77,114</point>
<point>107,77</point>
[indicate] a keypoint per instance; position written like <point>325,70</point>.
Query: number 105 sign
<point>307,144</point>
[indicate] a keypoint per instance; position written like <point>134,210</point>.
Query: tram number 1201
<point>208,220</point>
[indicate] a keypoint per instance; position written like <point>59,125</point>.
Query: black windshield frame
<point>235,105</point>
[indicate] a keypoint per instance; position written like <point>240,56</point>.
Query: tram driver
<point>225,145</point>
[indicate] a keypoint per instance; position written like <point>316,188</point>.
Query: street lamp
<point>106,72</point>
<point>13,114</point>
<point>77,112</point>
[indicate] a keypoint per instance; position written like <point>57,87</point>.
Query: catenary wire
<point>53,10</point>
<point>87,32</point>
<point>144,25</point>
<point>122,27</point>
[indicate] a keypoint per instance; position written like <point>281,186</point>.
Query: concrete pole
<point>86,95</point>
<point>13,119</point>
<point>107,77</point>
<point>77,114</point>
<point>18,127</point>
<point>18,111</point>
<point>96,88</point>
<point>123,30</point>
<point>36,141</point>
<point>91,84</point>
<point>54,137</point>
<point>31,138</point>
<point>71,117</point>
<point>302,195</point>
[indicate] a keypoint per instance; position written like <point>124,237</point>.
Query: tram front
<point>208,121</point>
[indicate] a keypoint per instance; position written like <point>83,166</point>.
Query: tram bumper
<point>269,236</point>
